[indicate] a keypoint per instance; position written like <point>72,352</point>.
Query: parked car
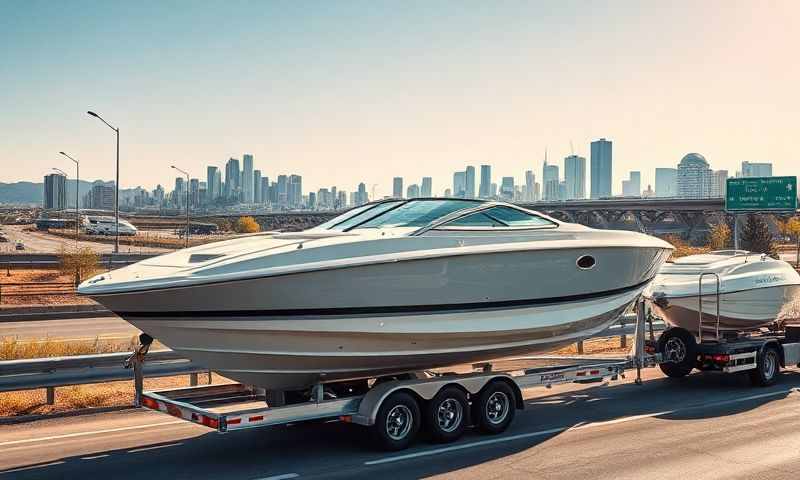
<point>20,246</point>
<point>3,238</point>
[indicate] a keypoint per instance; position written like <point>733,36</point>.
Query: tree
<point>756,236</point>
<point>720,236</point>
<point>247,225</point>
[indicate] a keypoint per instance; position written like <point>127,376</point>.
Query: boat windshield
<point>417,213</point>
<point>357,215</point>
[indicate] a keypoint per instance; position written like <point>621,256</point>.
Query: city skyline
<point>468,86</point>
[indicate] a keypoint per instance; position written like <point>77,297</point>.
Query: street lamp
<point>77,196</point>
<point>116,185</point>
<point>187,202</point>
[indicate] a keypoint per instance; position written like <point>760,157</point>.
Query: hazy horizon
<point>345,92</point>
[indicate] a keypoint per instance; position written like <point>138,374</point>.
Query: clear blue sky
<point>342,92</point>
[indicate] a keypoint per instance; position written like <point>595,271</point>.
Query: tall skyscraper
<point>179,193</point>
<point>265,190</point>
<point>55,192</point>
<point>460,184</point>
<point>281,187</point>
<point>412,191</point>
<point>632,187</point>
<point>575,177</point>
<point>550,181</point>
<point>530,181</point>
<point>247,178</point>
<point>719,183</point>
<point>469,178</point>
<point>194,192</point>
<point>294,191</point>
<point>397,187</point>
<point>666,182</point>
<point>507,189</point>
<point>361,195</point>
<point>257,186</point>
<point>427,187</point>
<point>212,189</point>
<point>694,177</point>
<point>232,180</point>
<point>601,168</point>
<point>752,169</point>
<point>485,189</point>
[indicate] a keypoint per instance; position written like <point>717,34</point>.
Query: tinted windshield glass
<point>499,217</point>
<point>417,213</point>
<point>341,218</point>
<point>365,214</point>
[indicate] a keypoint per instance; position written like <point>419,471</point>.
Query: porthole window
<point>586,262</point>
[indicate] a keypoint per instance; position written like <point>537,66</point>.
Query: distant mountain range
<point>31,193</point>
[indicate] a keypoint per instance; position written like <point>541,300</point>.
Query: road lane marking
<point>481,443</point>
<point>95,457</point>
<point>95,432</point>
<point>31,467</point>
<point>285,476</point>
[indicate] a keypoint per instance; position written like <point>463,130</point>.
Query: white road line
<point>95,432</point>
<point>285,476</point>
<point>95,457</point>
<point>512,438</point>
<point>32,467</point>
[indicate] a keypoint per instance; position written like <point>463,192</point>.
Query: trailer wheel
<point>495,408</point>
<point>677,348</point>
<point>445,415</point>
<point>767,367</point>
<point>397,422</point>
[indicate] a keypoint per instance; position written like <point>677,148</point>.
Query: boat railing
<point>700,305</point>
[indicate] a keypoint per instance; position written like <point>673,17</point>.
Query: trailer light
<point>721,358</point>
<point>346,418</point>
<point>234,421</point>
<point>149,403</point>
<point>256,418</point>
<point>209,422</point>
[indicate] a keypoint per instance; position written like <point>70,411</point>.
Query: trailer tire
<point>397,422</point>
<point>494,410</point>
<point>678,346</point>
<point>446,415</point>
<point>767,367</point>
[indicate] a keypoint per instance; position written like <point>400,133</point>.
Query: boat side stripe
<point>392,309</point>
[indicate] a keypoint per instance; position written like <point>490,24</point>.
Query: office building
<point>752,169</point>
<point>55,192</point>
<point>485,189</point>
<point>601,167</point>
<point>530,181</point>
<point>719,183</point>
<point>575,177</point>
<point>397,187</point>
<point>507,189</point>
<point>232,181</point>
<point>257,187</point>
<point>694,177</point>
<point>666,182</point>
<point>361,196</point>
<point>427,187</point>
<point>412,191</point>
<point>101,197</point>
<point>212,191</point>
<point>550,181</point>
<point>265,190</point>
<point>469,179</point>
<point>459,184</point>
<point>194,193</point>
<point>294,191</point>
<point>247,178</point>
<point>632,187</point>
<point>179,193</point>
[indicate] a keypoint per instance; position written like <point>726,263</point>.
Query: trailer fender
<point>425,389</point>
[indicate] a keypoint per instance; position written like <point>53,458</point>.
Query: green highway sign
<point>761,193</point>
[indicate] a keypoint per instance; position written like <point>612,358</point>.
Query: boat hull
<point>739,311</point>
<point>294,353</point>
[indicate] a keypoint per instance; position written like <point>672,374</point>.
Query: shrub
<point>682,248</point>
<point>756,236</point>
<point>81,263</point>
<point>247,225</point>
<point>720,236</point>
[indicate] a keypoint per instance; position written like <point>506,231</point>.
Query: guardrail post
<point>209,377</point>
<point>193,379</point>
<point>138,382</point>
<point>580,346</point>
<point>623,339</point>
<point>51,395</point>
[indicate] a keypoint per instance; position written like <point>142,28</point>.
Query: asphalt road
<point>43,242</point>
<point>702,427</point>
<point>73,329</point>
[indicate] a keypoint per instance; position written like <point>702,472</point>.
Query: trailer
<point>759,354</point>
<point>395,409</point>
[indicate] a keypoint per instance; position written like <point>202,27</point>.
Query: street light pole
<point>77,196</point>
<point>116,185</point>
<point>187,202</point>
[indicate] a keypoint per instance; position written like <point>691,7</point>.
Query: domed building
<point>695,177</point>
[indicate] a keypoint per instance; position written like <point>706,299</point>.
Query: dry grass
<point>682,248</point>
<point>39,276</point>
<point>14,349</point>
<point>141,239</point>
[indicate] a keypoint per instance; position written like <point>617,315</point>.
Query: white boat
<point>388,287</point>
<point>754,291</point>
